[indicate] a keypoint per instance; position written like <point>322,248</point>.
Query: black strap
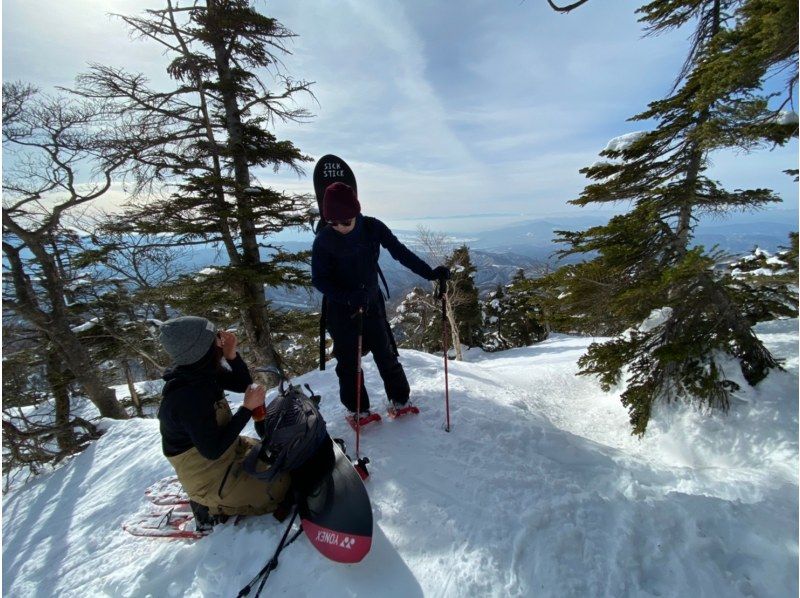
<point>370,227</point>
<point>323,313</point>
<point>383,279</point>
<point>389,332</point>
<point>272,564</point>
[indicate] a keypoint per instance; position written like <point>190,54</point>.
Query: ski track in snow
<point>539,489</point>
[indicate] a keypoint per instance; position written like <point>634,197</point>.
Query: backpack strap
<point>323,312</point>
<point>383,279</point>
<point>392,341</point>
<point>370,227</point>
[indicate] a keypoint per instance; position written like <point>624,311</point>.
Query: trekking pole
<point>441,295</point>
<point>361,462</point>
<point>360,330</point>
<point>272,563</point>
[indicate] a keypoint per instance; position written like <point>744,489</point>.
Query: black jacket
<point>344,267</point>
<point>188,409</point>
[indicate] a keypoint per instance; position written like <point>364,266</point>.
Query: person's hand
<point>227,342</point>
<point>254,396</point>
<point>441,273</point>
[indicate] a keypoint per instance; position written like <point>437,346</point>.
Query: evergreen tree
<point>575,299</point>
<point>522,323</point>
<point>653,275</point>
<point>493,319</point>
<point>203,139</point>
<point>467,310</point>
<point>417,323</point>
<point>768,284</point>
<point>790,256</point>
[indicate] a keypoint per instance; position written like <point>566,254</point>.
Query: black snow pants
<point>342,325</point>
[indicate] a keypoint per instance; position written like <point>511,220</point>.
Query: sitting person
<point>199,434</point>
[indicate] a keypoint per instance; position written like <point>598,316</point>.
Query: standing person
<point>344,268</point>
<point>200,434</point>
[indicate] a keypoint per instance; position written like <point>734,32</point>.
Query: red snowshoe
<point>167,491</point>
<point>396,411</point>
<point>174,521</point>
<point>366,418</point>
<point>170,514</point>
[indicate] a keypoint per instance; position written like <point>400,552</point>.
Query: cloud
<point>441,108</point>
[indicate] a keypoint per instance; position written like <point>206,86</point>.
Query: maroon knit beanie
<point>340,203</point>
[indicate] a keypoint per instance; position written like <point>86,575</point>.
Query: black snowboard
<point>331,169</point>
<point>337,514</point>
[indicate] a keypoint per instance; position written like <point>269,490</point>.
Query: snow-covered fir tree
<point>645,263</point>
<point>768,283</point>
<point>467,309</point>
<point>201,139</point>
<point>493,315</point>
<point>417,322</point>
<point>522,321</point>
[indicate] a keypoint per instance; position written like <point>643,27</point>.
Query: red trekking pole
<point>442,287</point>
<point>360,464</point>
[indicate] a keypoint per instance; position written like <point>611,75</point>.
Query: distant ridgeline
<point>498,254</point>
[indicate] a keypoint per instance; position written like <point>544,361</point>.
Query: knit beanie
<point>340,202</point>
<point>187,339</point>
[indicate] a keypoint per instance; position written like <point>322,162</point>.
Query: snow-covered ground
<point>538,490</point>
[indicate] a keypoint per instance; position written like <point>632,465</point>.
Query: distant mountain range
<point>499,253</point>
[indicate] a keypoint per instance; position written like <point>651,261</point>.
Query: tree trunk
<point>55,326</point>
<point>684,225</point>
<point>79,361</point>
<point>454,336</point>
<point>58,380</point>
<point>254,315</point>
<point>137,403</point>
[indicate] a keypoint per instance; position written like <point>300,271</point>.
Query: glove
<point>440,273</point>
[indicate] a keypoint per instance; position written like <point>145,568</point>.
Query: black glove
<point>440,273</point>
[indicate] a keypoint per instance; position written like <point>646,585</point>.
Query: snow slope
<point>539,490</point>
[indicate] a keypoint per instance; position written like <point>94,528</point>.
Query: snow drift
<point>538,490</point>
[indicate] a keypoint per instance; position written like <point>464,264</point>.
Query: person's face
<point>343,226</point>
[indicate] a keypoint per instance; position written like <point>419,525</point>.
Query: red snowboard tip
<point>337,546</point>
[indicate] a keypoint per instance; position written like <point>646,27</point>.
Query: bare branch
<point>566,8</point>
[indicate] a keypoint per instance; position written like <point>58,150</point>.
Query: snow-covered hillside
<point>539,490</point>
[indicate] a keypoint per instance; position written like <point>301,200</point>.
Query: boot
<point>203,520</point>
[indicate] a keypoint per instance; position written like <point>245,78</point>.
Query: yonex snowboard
<point>337,514</point>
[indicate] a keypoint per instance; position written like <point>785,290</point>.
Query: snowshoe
<point>397,410</point>
<point>167,491</point>
<point>366,418</point>
<point>166,522</point>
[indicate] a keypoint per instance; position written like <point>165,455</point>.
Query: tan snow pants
<point>222,484</point>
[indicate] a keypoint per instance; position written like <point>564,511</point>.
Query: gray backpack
<point>294,430</point>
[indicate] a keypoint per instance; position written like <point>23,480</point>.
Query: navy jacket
<point>344,266</point>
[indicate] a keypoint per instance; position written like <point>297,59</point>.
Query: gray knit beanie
<point>187,339</point>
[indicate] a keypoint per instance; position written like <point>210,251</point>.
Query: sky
<point>464,116</point>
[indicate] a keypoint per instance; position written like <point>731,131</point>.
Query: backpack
<point>293,431</point>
